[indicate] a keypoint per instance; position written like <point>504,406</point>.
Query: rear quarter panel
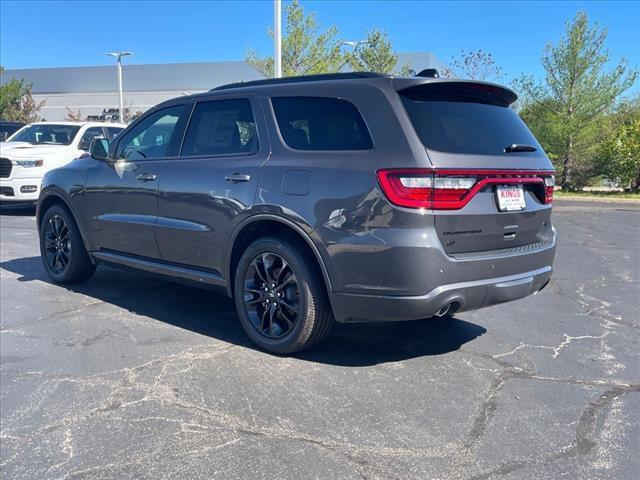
<point>343,210</point>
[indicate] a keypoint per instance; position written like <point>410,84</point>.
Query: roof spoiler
<point>456,91</point>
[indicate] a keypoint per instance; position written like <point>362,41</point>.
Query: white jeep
<point>42,146</point>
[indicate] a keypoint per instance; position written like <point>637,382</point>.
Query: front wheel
<point>280,296</point>
<point>63,254</point>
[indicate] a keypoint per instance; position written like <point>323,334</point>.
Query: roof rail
<point>301,78</point>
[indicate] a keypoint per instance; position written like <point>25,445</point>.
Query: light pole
<point>118,56</point>
<point>355,43</point>
<point>277,38</point>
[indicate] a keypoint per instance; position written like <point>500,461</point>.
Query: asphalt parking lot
<point>130,376</point>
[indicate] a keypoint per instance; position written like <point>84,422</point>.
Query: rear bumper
<point>464,296</point>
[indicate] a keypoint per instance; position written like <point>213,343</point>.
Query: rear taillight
<point>453,189</point>
<point>549,185</point>
<point>422,188</point>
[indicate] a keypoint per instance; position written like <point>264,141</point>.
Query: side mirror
<point>100,148</point>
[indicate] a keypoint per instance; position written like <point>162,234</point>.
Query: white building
<point>91,90</point>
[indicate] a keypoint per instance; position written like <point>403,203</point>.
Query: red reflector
<point>548,194</point>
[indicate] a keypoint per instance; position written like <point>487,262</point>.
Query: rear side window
<point>320,123</point>
<point>471,118</point>
<point>221,127</point>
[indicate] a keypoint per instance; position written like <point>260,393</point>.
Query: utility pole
<point>277,37</point>
<point>118,56</point>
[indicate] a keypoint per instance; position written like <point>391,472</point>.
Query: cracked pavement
<point>131,376</point>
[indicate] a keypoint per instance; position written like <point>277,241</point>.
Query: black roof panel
<point>301,78</point>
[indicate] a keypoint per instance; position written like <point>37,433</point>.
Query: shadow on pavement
<point>17,210</point>
<point>211,314</point>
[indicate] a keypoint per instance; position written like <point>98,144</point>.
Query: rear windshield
<point>466,120</point>
<point>320,123</point>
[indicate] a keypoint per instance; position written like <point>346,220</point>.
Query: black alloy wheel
<point>280,295</point>
<point>271,295</point>
<point>57,244</point>
<point>63,253</point>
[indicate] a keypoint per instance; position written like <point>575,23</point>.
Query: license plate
<point>510,198</point>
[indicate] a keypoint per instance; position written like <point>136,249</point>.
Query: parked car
<point>349,197</point>
<point>7,129</point>
<point>39,147</point>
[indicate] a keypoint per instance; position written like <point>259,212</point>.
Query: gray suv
<point>347,197</point>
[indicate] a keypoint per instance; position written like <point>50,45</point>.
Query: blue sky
<point>78,33</point>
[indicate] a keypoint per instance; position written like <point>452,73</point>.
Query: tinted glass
<point>112,132</point>
<point>465,123</point>
<point>88,135</point>
<point>48,134</point>
<point>7,130</point>
<point>320,123</point>
<point>153,137</point>
<point>221,127</point>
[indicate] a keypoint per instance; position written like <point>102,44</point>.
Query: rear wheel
<point>280,296</point>
<point>63,254</point>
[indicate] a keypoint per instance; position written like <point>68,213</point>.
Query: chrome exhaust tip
<point>444,310</point>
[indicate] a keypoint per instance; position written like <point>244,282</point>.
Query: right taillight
<point>549,184</point>
<point>447,189</point>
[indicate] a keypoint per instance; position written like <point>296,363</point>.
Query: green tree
<point>538,117</point>
<point>576,93</point>
<point>375,54</point>
<point>306,49</point>
<point>17,103</point>
<point>474,65</point>
<point>619,153</point>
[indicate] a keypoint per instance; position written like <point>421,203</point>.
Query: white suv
<point>42,146</point>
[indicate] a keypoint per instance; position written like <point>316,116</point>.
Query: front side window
<point>88,135</point>
<point>221,127</point>
<point>153,137</point>
<point>320,123</point>
<point>113,132</point>
<point>46,134</point>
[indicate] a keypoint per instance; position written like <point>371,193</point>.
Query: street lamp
<point>277,38</point>
<point>355,44</point>
<point>118,56</point>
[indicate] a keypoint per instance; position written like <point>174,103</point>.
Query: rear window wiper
<point>519,147</point>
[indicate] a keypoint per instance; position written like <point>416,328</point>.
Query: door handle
<point>146,177</point>
<point>237,177</point>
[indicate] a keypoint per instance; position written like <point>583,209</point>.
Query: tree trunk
<point>635,185</point>
<point>566,165</point>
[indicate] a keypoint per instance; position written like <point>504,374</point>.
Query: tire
<point>266,316</point>
<point>60,239</point>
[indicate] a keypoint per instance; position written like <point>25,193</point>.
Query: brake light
<point>422,188</point>
<point>453,189</point>
<point>549,184</point>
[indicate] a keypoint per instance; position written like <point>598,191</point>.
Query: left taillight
<point>422,188</point>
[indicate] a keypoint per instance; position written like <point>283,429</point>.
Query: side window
<point>89,134</point>
<point>153,137</point>
<point>221,127</point>
<point>113,132</point>
<point>320,123</point>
